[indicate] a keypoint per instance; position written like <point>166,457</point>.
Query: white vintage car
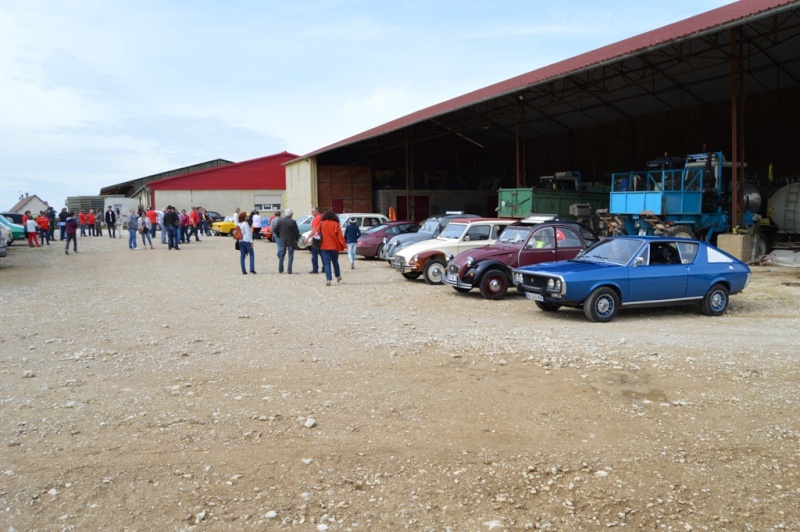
<point>429,257</point>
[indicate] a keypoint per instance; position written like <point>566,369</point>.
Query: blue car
<point>636,271</point>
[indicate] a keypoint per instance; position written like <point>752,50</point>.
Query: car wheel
<point>301,244</point>
<point>601,305</point>
<point>716,301</point>
<point>434,271</point>
<point>547,307</point>
<point>379,252</point>
<point>494,284</point>
<point>681,231</point>
<point>411,275</point>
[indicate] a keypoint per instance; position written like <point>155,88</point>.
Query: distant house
<point>255,184</point>
<point>31,203</point>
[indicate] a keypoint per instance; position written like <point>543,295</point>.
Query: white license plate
<point>452,277</point>
<point>534,296</point>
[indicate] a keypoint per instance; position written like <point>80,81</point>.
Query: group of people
<point>39,228</point>
<point>326,238</point>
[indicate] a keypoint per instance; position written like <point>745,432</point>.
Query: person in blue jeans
<point>246,244</point>
<point>133,225</point>
<point>351,234</point>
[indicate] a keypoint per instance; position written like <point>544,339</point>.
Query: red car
<point>371,242</point>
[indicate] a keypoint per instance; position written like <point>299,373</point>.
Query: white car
<point>365,220</point>
<point>429,257</point>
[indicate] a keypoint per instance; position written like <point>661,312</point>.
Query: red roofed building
<point>255,184</point>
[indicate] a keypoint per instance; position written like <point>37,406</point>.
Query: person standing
<point>71,231</point>
<point>133,225</point>
<point>90,221</point>
<point>351,234</point>
<point>273,222</point>
<point>331,244</point>
<point>152,215</point>
<point>51,217</point>
<point>160,220</point>
<point>144,230</point>
<point>246,243</point>
<point>256,225</point>
<point>315,238</point>
<point>31,230</point>
<point>286,232</point>
<point>82,222</point>
<point>44,227</point>
<point>172,223</point>
<point>98,224</point>
<point>62,223</point>
<point>184,224</point>
<point>111,222</point>
<point>194,222</point>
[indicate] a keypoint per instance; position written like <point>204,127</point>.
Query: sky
<point>98,92</point>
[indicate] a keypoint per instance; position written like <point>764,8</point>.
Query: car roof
<point>478,219</point>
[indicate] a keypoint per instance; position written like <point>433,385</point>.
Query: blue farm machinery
<point>688,197</point>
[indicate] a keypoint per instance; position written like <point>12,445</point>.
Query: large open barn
<point>724,81</point>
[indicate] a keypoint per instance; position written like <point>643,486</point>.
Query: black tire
<point>378,251</point>
<point>681,231</point>
<point>715,302</point>
<point>434,271</point>
<point>411,275</point>
<point>547,307</point>
<point>602,305</point>
<point>494,284</point>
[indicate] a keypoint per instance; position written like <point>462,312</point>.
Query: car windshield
<point>375,229</point>
<point>229,218</point>
<point>514,235</point>
<point>453,231</point>
<point>430,225</point>
<point>612,250</point>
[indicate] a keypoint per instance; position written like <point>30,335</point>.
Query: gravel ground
<point>164,390</point>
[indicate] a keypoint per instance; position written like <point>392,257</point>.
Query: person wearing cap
<point>351,234</point>
<point>287,233</point>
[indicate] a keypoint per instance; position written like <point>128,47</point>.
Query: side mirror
<point>638,262</point>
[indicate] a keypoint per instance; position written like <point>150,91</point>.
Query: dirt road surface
<point>164,390</point>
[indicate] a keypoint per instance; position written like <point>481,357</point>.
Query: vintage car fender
<point>491,264</point>
<point>425,256</point>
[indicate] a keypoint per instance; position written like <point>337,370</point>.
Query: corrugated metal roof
<point>264,173</point>
<point>699,77</point>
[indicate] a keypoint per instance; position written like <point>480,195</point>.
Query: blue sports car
<point>631,271</point>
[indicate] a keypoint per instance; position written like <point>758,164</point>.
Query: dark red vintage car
<point>489,268</point>
<point>372,240</point>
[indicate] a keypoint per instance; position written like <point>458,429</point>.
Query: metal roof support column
<point>735,174</point>
<point>409,181</point>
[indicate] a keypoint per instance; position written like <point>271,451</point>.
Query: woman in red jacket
<point>332,243</point>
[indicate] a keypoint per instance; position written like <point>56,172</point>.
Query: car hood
<point>501,252</point>
<point>569,267</point>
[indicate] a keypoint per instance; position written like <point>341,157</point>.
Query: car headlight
<point>385,240</point>
<point>517,278</point>
<point>415,258</point>
<point>554,284</point>
<point>448,257</point>
<point>470,262</point>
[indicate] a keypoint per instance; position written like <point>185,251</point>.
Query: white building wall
<point>224,202</point>
<point>301,185</point>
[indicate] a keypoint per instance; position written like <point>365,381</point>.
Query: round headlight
<point>470,262</point>
<point>558,284</point>
<point>385,240</point>
<point>551,283</point>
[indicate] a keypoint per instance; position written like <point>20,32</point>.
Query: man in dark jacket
<point>111,222</point>
<point>172,222</point>
<point>287,233</point>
